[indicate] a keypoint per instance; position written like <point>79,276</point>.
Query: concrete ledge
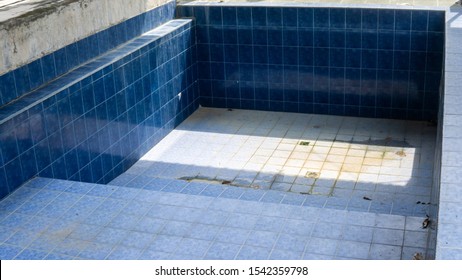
<point>32,29</point>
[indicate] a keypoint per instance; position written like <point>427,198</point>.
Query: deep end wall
<point>383,63</point>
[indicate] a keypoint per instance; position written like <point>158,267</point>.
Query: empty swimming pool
<point>240,131</point>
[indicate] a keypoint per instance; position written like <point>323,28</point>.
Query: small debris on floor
<point>229,109</point>
<point>401,153</point>
<point>305,193</point>
<point>418,256</point>
<point>304,143</point>
<point>366,198</point>
<point>206,180</point>
<point>312,175</point>
<point>316,126</point>
<point>426,222</point>
<point>423,203</point>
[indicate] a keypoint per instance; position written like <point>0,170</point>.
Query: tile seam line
<point>132,50</point>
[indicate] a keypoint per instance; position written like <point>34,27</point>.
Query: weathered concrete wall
<point>30,31</point>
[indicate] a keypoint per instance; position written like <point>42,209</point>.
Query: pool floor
<point>371,165</point>
<point>241,185</point>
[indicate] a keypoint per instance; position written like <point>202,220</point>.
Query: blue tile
<point>8,252</point>
<point>55,256</point>
<point>111,235</point>
<point>154,255</point>
<point>290,38</point>
<point>273,196</point>
<point>193,247</point>
<point>386,20</point>
<point>274,16</point>
<point>262,239</point>
<point>305,18</point>
<point>149,225</point>
<point>285,255</point>
<point>252,195</point>
<point>338,18</point>
<point>353,18</point>
<point>35,73</point>
<point>96,251</point>
<point>289,17</point>
<point>402,41</point>
<point>46,242</point>
<point>315,201</point>
<point>232,193</point>
<point>253,253</point>
<point>370,19</point>
<point>21,238</point>
<point>436,21</point>
<point>124,253</point>
<point>321,18</point>
<point>229,16</point>
<point>101,190</point>
<point>244,16</point>
<point>85,232</point>
<point>69,247</point>
<point>138,240</point>
<point>273,224</point>
<point>321,57</point>
<point>369,40</point>
<point>290,242</point>
<point>403,19</point>
<point>222,251</point>
<point>204,232</point>
<point>419,41</point>
<point>29,254</point>
<point>72,55</point>
<point>164,243</point>
<point>60,61</point>
<point>353,58</point>
<point>293,199</point>
<point>353,39</point>
<point>379,207</point>
<point>420,21</point>
<point>7,87</point>
<point>22,80</point>
<point>368,59</point>
<point>337,58</point>
<point>244,221</point>
<point>213,190</point>
<point>174,228</point>
<point>437,40</point>
<point>259,16</point>
<point>401,60</point>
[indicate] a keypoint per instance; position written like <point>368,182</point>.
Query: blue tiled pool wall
<point>435,194</point>
<point>345,61</point>
<point>97,128</point>
<point>20,81</point>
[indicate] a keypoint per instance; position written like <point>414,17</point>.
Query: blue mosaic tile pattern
<point>95,122</point>
<point>264,196</point>
<point>215,228</point>
<point>381,63</point>
<point>16,83</point>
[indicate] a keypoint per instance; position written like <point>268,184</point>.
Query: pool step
<point>226,189</point>
<point>58,219</point>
